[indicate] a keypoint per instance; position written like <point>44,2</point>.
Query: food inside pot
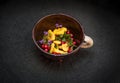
<point>58,41</point>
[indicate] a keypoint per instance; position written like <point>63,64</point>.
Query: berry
<point>53,52</point>
<point>58,53</point>
<point>74,42</point>
<point>72,38</point>
<point>46,50</point>
<point>71,35</point>
<point>68,32</point>
<point>78,41</point>
<point>69,50</point>
<point>63,42</point>
<point>46,46</point>
<point>43,46</point>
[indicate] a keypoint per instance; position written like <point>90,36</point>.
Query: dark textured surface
<point>21,62</point>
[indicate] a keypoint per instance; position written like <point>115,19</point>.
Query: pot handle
<point>87,43</point>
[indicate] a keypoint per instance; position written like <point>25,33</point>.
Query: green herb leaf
<point>61,35</point>
<point>63,39</point>
<point>70,43</point>
<point>66,35</point>
<point>57,38</point>
<point>45,40</point>
<point>56,46</point>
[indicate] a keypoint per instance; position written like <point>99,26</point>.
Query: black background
<point>22,62</point>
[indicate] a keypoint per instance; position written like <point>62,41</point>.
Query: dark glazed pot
<point>48,22</point>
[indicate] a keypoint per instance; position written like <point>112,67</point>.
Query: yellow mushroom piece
<point>64,28</point>
<point>60,31</point>
<point>64,47</point>
<point>59,51</point>
<point>52,47</point>
<point>57,42</point>
<point>51,35</point>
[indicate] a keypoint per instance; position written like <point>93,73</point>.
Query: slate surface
<point>22,62</point>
